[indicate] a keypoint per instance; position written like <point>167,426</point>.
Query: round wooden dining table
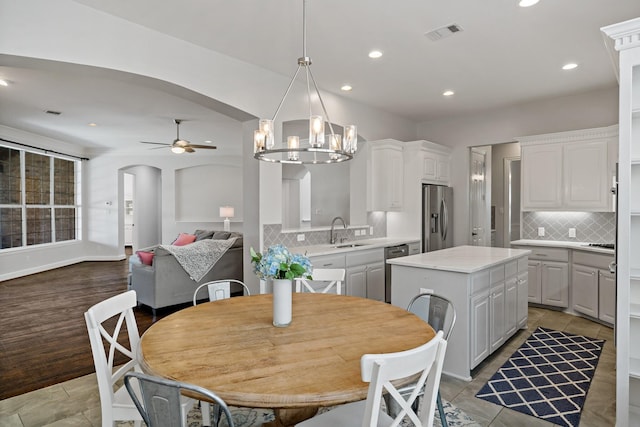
<point>231,347</point>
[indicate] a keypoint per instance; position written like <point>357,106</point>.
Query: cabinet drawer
<point>364,257</point>
<point>592,259</point>
<point>496,274</point>
<point>549,254</point>
<point>511,268</point>
<point>480,282</point>
<point>328,261</point>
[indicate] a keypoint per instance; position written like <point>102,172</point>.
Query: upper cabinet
<point>386,176</point>
<point>569,171</point>
<point>435,166</point>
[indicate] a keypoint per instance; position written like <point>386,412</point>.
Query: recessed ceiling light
<point>3,83</point>
<point>346,88</point>
<point>208,141</point>
<point>93,124</point>
<point>448,93</point>
<point>375,54</point>
<point>527,3</point>
<point>570,66</point>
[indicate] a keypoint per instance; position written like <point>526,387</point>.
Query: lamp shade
<point>226,211</point>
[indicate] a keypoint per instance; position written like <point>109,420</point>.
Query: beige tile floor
<point>77,403</point>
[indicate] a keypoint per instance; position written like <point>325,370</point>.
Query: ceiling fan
<point>180,146</point>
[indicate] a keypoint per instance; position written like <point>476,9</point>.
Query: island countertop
<point>461,259</point>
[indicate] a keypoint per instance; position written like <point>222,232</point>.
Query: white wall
<point>588,110</point>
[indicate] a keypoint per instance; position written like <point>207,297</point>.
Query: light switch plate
<point>540,231</point>
<point>371,230</point>
<point>572,232</point>
<point>300,237</point>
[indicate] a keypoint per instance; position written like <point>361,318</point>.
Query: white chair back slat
<point>324,279</point>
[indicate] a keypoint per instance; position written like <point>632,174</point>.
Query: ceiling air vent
<point>55,113</point>
<point>443,32</point>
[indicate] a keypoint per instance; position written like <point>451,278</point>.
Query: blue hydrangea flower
<point>278,263</point>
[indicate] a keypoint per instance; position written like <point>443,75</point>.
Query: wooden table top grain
<point>232,348</point>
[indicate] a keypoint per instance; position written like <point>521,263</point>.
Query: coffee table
<point>231,347</point>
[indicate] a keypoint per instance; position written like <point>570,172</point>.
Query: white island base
<point>488,288</point>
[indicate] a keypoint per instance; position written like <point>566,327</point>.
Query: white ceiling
<point>505,55</point>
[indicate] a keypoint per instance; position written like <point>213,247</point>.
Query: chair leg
<point>443,417</point>
<point>206,413</point>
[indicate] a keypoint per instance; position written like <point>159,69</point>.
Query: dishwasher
<point>389,253</point>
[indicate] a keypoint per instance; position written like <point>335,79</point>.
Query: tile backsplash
<point>592,227</point>
<point>273,233</point>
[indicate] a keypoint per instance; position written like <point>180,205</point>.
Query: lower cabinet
<point>365,274</point>
<point>593,286</point>
<point>479,318</point>
<point>548,280</point>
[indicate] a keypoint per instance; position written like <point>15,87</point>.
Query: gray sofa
<point>166,283</point>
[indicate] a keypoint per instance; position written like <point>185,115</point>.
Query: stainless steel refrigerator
<point>437,217</point>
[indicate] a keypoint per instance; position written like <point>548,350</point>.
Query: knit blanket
<point>198,258</point>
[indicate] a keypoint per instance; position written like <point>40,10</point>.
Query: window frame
<point>51,206</point>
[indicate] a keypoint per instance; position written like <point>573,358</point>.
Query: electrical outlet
<point>540,231</point>
<point>300,237</point>
<point>572,232</point>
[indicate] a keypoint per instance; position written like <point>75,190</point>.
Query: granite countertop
<point>328,249</point>
<point>460,259</point>
<point>583,246</point>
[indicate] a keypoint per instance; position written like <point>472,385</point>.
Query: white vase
<point>282,292</point>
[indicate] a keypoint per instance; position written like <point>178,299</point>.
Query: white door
<point>478,202</point>
<point>129,186</point>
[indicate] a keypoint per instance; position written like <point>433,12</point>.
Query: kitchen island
<point>488,288</point>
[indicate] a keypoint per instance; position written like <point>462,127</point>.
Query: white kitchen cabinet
<point>480,321</point>
<point>435,167</point>
<point>593,287</point>
<point>586,177</point>
<point>386,176</point>
<point>627,42</point>
<point>523,306</point>
<point>548,280</point>
<point>497,316</point>
<point>511,306</point>
<point>569,171</point>
<point>365,274</point>
<point>414,248</point>
<point>584,289</point>
<point>541,177</point>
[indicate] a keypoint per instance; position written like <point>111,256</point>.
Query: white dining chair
<point>219,289</point>
<point>116,404</point>
<point>380,370</point>
<point>324,279</point>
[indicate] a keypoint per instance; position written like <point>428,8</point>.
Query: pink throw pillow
<point>184,239</point>
<point>146,257</point>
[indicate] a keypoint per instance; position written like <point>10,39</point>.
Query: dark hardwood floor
<point>43,335</point>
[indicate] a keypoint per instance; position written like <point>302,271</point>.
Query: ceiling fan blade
<point>155,143</point>
<point>188,149</point>
<point>211,147</point>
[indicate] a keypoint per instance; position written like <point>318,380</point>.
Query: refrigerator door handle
<point>434,223</point>
<point>444,217</point>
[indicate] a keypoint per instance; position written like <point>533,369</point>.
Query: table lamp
<point>226,212</point>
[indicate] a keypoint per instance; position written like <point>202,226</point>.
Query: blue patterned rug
<point>547,377</point>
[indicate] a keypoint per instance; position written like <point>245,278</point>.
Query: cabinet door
<point>375,281</point>
<point>541,177</point>
<point>429,163</point>
<point>523,306</point>
<point>555,283</point>
<point>497,316</point>
<point>479,328</point>
<point>356,281</point>
<point>511,306</point>
<point>586,175</point>
<point>535,281</point>
<point>584,289</point>
<point>607,297</point>
<point>387,178</point>
<point>442,168</point>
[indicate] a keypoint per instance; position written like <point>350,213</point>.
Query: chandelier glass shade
<point>319,147</point>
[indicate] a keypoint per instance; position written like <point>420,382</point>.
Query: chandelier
<point>320,148</point>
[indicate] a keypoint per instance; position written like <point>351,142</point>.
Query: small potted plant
<point>281,267</point>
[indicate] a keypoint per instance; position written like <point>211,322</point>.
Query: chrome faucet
<point>332,238</point>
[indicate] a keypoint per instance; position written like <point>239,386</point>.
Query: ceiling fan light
<point>177,149</point>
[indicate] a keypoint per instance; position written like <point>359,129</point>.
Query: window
<point>39,198</point>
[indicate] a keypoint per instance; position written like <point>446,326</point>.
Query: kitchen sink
<point>350,245</point>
